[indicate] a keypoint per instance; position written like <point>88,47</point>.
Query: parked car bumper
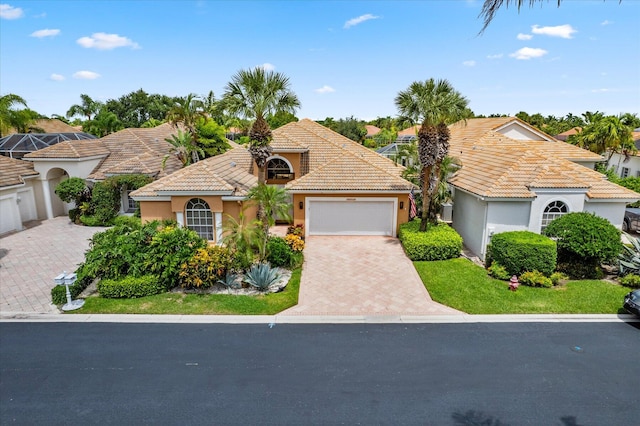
<point>632,302</point>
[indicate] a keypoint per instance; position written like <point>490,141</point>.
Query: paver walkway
<point>30,259</point>
<point>361,276</point>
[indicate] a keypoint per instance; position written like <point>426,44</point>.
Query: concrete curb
<point>311,319</point>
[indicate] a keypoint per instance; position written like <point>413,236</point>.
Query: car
<point>632,302</point>
<point>631,220</point>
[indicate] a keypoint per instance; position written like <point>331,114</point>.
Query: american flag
<point>413,210</point>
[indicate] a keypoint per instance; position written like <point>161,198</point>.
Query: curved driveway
<point>354,275</point>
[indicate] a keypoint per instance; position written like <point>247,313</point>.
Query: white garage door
<point>360,216</point>
<point>9,215</point>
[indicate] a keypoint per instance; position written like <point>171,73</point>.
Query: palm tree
<point>188,111</point>
<point>184,148</point>
<point>605,135</point>
<point>275,202</point>
<point>88,107</point>
<point>24,121</point>
<point>434,103</point>
<point>257,94</point>
<point>242,236</point>
<point>7,103</point>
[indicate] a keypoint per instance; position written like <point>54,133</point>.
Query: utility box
<point>446,213</point>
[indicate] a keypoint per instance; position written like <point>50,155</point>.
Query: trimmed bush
<point>630,280</point>
<point>522,251</point>
<point>130,287</point>
<point>438,242</point>
<point>535,279</point>
<point>498,271</point>
<point>279,253</point>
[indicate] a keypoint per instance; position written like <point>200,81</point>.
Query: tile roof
<point>126,151</point>
<point>496,166</point>
<point>411,131</point>
<point>13,172</point>
<point>371,130</point>
<point>51,125</point>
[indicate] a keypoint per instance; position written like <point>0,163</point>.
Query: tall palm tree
<point>188,111</point>
<point>184,148</point>
<point>434,103</point>
<point>256,94</point>
<point>87,107</point>
<point>605,135</point>
<point>7,103</point>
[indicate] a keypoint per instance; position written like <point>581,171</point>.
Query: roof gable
<point>13,172</point>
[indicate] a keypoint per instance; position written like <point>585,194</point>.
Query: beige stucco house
<point>337,186</point>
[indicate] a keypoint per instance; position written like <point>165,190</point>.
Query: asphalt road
<point>393,374</point>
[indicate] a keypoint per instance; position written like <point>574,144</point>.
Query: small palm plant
<point>261,276</point>
<point>629,259</point>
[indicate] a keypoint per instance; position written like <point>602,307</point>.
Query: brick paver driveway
<point>361,276</point>
<point>29,260</point>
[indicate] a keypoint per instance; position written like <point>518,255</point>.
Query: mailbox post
<point>67,280</point>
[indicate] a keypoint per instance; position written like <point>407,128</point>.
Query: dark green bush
<point>105,203</point>
<point>90,220</point>
<point>498,271</point>
<point>521,251</point>
<point>130,287</point>
<point>130,221</point>
<point>630,280</point>
<point>74,215</point>
<point>439,242</point>
<point>73,190</point>
<point>279,253</point>
<point>584,242</point>
<point>535,279</point>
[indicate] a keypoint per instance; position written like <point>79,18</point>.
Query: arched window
<point>277,168</point>
<point>553,211</point>
<point>200,218</point>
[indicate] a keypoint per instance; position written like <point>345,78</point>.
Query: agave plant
<point>261,276</point>
<point>230,281</point>
<point>629,259</point>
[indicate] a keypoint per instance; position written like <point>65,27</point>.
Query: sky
<point>343,58</point>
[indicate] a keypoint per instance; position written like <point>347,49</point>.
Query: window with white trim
<point>625,172</point>
<point>131,203</point>
<point>553,211</point>
<point>200,218</point>
<point>277,168</point>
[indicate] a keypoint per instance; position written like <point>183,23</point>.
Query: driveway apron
<point>30,259</point>
<point>361,275</point>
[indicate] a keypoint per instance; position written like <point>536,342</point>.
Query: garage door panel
<point>351,217</point>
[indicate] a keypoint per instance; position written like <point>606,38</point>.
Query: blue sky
<point>343,58</point>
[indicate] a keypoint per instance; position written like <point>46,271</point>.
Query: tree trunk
<point>426,199</point>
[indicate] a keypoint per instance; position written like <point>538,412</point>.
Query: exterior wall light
<point>401,204</point>
<point>301,205</point>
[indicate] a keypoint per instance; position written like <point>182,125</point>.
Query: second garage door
<point>351,216</point>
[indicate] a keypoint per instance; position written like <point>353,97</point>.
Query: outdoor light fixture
<point>67,280</point>
<point>402,204</point>
<point>301,205</point>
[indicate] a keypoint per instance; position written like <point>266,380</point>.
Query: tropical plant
<point>211,138</point>
<point>279,253</point>
<point>184,148</point>
<point>73,189</point>
<point>230,280</point>
<point>205,268</point>
<point>295,242</point>
<point>24,121</point>
<point>7,104</point>
<point>261,276</point>
<point>243,237</point>
<point>136,108</point>
<point>605,135</point>
<point>257,94</point>
<point>86,108</point>
<point>629,259</point>
<point>104,123</point>
<point>435,104</point>
<point>188,111</point>
<point>275,202</point>
<point>150,123</point>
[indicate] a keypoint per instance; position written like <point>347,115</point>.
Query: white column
<point>46,192</point>
<point>180,218</point>
<point>218,220</point>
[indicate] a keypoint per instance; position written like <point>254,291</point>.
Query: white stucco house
<point>514,177</point>
<point>627,165</point>
<point>20,194</point>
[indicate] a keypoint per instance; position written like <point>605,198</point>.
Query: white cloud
<point>45,33</point>
<point>267,66</point>
<point>86,75</point>
<point>603,90</point>
<point>496,56</point>
<point>56,77</point>
<point>103,41</point>
<point>9,12</point>
<point>606,22</point>
<point>359,20</point>
<point>325,89</point>
<point>469,63</point>
<point>528,53</point>
<point>524,36</point>
<point>562,31</point>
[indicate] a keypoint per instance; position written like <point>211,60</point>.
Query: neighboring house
<point>17,145</point>
<point>627,165</point>
<point>392,150</point>
<point>19,193</point>
<point>514,177</point>
<point>564,136</point>
<point>129,151</point>
<point>337,186</point>
<point>371,131</point>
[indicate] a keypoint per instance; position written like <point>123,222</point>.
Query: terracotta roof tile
<point>13,172</point>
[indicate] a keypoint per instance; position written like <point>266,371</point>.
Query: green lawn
<point>199,304</point>
<point>465,286</point>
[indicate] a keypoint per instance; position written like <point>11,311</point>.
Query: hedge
<point>523,251</point>
<point>130,287</point>
<point>439,242</point>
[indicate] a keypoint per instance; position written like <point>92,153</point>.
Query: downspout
<point>483,249</point>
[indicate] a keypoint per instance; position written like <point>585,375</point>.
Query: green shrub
<point>59,292</point>
<point>130,221</point>
<point>498,271</point>
<point>130,287</point>
<point>105,203</point>
<point>205,268</point>
<point>73,190</point>
<point>279,253</point>
<point>93,221</point>
<point>439,242</point>
<point>535,279</point>
<point>556,277</point>
<point>522,251</point>
<point>630,280</point>
<point>74,215</point>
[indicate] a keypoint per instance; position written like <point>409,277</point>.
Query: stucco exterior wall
<point>156,210</point>
<point>469,218</point>
<point>178,204</point>
<point>517,132</point>
<point>573,200</point>
<point>299,213</point>
<point>618,162</point>
<point>75,168</point>
<point>613,212</point>
<point>505,216</point>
